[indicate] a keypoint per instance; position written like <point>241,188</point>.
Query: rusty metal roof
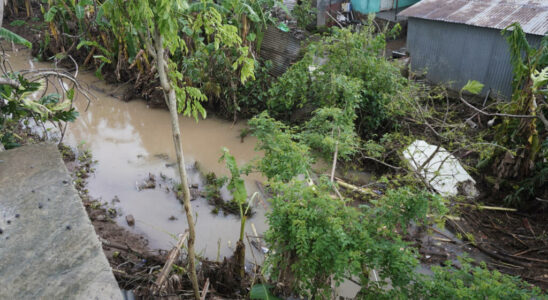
<point>531,14</point>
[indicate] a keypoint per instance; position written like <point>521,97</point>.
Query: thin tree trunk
<point>172,105</point>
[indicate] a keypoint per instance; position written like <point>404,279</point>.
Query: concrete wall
<point>452,54</point>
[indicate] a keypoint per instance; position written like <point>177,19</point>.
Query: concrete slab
<point>48,247</point>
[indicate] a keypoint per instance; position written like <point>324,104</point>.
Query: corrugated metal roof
<point>499,14</point>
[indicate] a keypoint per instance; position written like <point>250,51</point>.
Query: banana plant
<point>236,186</point>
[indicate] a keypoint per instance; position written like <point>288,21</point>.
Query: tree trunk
<point>171,102</point>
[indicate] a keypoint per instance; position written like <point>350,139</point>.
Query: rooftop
<point>498,14</point>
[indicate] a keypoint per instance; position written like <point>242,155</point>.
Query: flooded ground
<point>131,141</point>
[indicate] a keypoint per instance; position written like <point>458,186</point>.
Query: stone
<point>441,169</point>
<point>101,218</point>
<point>130,220</point>
<point>194,194</point>
<point>53,252</point>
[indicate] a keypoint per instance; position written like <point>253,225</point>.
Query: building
<point>460,40</point>
<point>375,6</point>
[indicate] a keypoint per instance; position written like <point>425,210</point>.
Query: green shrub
<point>284,158</point>
<point>342,68</point>
<point>470,282</point>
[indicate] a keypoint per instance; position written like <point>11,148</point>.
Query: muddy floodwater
<point>131,141</point>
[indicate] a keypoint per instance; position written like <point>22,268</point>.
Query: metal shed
<point>460,40</point>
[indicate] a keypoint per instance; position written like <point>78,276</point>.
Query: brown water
<point>130,140</point>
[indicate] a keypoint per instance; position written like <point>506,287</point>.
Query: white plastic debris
<point>441,170</point>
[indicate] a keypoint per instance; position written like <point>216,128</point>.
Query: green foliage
<point>284,158</point>
<point>235,184</point>
<point>314,237</point>
<point>535,185</point>
<point>346,70</point>
<point>206,33</point>
<point>307,237</point>
<point>19,106</point>
<point>13,37</point>
<point>470,282</point>
<point>523,136</point>
<point>473,86</point>
<point>212,43</point>
<point>292,90</point>
<point>18,23</point>
<point>305,13</point>
<point>262,291</point>
<point>378,235</point>
<point>330,129</point>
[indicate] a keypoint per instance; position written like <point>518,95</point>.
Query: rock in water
<point>130,220</point>
<point>441,169</point>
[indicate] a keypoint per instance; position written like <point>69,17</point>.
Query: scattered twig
<point>173,254</point>
<point>488,207</point>
<point>205,289</point>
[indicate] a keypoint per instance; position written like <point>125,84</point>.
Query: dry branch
<point>205,289</point>
<point>173,254</point>
<point>351,187</point>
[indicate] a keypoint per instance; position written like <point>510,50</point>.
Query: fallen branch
<point>10,82</point>
<point>488,207</point>
<point>173,254</point>
<point>204,290</point>
<point>351,187</point>
<point>495,114</point>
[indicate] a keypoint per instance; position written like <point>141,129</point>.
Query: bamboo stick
<point>173,254</point>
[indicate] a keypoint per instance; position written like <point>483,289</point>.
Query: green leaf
<point>102,58</point>
<point>283,27</point>
<point>262,291</point>
<point>13,37</point>
<point>48,17</point>
<point>79,11</point>
<point>18,23</point>
<point>70,94</point>
<point>473,87</point>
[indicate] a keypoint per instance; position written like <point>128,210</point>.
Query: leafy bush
<point>346,70</point>
<point>308,237</point>
<point>470,282</point>
<point>330,130</point>
<point>284,158</point>
<point>17,105</point>
<point>304,13</point>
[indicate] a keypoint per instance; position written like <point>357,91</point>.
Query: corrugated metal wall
<point>282,48</point>
<point>452,54</point>
<point>373,6</point>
